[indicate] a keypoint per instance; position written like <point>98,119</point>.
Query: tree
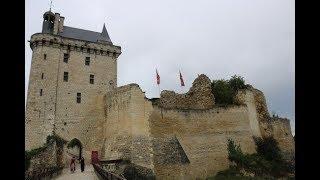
<point>237,82</point>
<point>268,148</point>
<point>76,142</point>
<point>222,91</point>
<point>225,90</point>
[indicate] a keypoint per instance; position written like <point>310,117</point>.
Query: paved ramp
<point>87,174</point>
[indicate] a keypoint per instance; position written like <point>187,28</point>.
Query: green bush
<point>267,163</point>
<point>56,138</point>
<point>222,91</point>
<point>237,82</point>
<point>225,90</point>
<point>268,148</point>
<point>33,152</point>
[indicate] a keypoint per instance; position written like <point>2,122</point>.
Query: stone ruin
<point>199,96</point>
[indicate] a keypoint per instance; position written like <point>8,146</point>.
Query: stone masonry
<point>198,97</point>
<point>52,101</point>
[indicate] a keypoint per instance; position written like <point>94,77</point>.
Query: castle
<point>73,93</point>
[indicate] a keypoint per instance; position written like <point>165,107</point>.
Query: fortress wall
<point>262,112</point>
<point>246,97</point>
<point>258,111</point>
<point>282,133</point>
<point>262,124</point>
<point>127,127</point>
<point>203,136</point>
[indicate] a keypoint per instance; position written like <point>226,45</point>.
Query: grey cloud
<point>220,38</point>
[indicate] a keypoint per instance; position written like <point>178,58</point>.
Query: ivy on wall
<point>28,155</point>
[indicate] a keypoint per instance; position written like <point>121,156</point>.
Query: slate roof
<point>86,35</point>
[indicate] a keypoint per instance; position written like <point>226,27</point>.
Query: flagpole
<point>159,90</point>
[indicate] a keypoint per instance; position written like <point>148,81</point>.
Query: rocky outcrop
<point>198,97</point>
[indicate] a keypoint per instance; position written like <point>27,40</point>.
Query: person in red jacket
<point>73,164</point>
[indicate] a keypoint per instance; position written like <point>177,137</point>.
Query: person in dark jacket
<point>82,164</point>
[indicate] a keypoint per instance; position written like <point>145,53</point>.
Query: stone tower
<point>70,67</point>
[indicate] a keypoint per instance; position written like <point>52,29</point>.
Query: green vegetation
<point>56,138</point>
<point>225,90</point>
<point>29,154</point>
<point>34,152</point>
<point>267,163</point>
<point>76,142</point>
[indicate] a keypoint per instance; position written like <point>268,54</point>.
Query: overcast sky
<point>220,38</point>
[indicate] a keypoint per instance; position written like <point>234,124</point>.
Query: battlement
<point>198,97</point>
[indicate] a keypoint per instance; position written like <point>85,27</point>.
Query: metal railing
<point>105,175</point>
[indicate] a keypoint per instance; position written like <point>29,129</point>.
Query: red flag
<point>181,79</point>
<point>158,77</point>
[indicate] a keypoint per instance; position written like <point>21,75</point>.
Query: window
<point>45,56</point>
<point>88,50</point>
<point>41,75</point>
<point>65,76</point>
<point>65,57</point>
<point>87,62</point>
<point>40,92</point>
<point>78,97</point>
<point>91,79</point>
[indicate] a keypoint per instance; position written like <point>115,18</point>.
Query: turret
<point>56,23</point>
<point>104,36</point>
<point>52,23</point>
<point>48,22</point>
<point>61,24</point>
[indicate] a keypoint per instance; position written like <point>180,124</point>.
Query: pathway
<point>87,174</point>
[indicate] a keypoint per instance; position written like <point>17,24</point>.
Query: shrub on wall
<point>33,152</point>
<point>28,155</point>
<point>60,141</point>
<point>222,91</point>
<point>267,163</point>
<point>225,90</point>
<point>237,82</point>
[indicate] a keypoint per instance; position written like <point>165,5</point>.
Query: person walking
<point>82,164</point>
<point>73,164</point>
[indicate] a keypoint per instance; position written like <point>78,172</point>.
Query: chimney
<point>56,23</point>
<point>61,24</point>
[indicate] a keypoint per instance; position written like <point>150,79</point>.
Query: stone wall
<point>127,132</point>
<point>262,124</point>
<point>198,97</point>
<point>51,156</point>
<point>259,116</point>
<point>282,133</point>
<point>202,135</point>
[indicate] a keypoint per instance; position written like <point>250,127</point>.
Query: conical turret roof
<point>104,35</point>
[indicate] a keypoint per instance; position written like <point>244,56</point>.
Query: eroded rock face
<point>198,97</point>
